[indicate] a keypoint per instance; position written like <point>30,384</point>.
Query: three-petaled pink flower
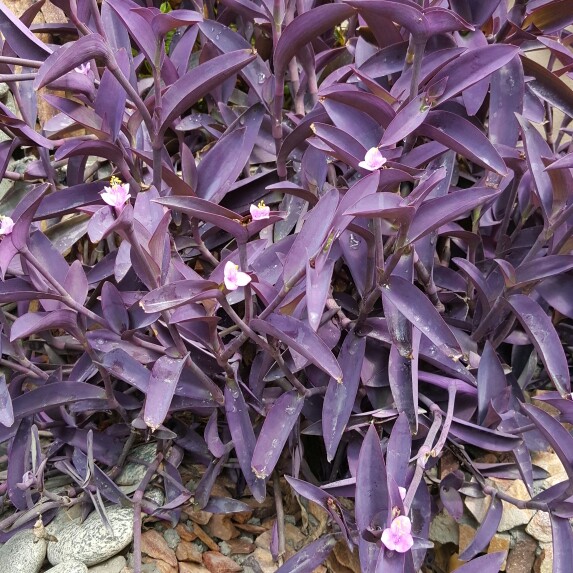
<point>83,69</point>
<point>233,277</point>
<point>6,225</point>
<point>373,160</point>
<point>260,211</point>
<point>117,195</point>
<point>397,537</point>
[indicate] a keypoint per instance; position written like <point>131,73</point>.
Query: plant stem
<point>280,515</point>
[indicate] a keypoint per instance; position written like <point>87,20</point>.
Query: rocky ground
<point>204,542</point>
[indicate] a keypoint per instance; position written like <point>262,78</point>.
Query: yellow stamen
<point>115,181</point>
<point>261,204</point>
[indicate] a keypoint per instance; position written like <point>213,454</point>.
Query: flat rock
<point>91,542</point>
<point>69,567</point>
<point>154,545</point>
<point>241,546</point>
<point>187,551</point>
<point>161,566</point>
<point>218,563</point>
<point>192,568</point>
<point>185,533</point>
<point>522,555</point>
<point>114,565</point>
<point>444,529</point>
<point>23,553</point>
<point>544,563</point>
<point>512,516</point>
<point>220,526</point>
<point>264,560</point>
<point>133,473</point>
<point>540,527</point>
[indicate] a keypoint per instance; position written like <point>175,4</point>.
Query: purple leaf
<point>562,538</point>
<point>160,389</point>
<point>308,559</point>
<point>399,450</point>
<point>418,309</point>
<point>490,379</point>
<point>198,82</point>
<point>243,436</point>
<point>489,563</point>
<point>300,338</point>
<point>482,62</point>
<point>371,496</point>
<point>434,213</point>
<point>463,137</point>
<point>276,429</point>
<point>545,339</point>
<point>34,322</point>
<point>309,240</point>
<point>71,56</point>
<point>340,396</point>
<point>482,437</point>
<point>20,38</point>
<point>555,433</point>
<point>113,308</point>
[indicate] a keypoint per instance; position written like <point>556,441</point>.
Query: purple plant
<point>405,292</point>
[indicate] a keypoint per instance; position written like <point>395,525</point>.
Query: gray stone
<point>23,553</point>
<point>444,529</point>
<point>133,473</point>
<point>114,565</point>
<point>91,542</point>
<point>3,90</point>
<point>172,538</point>
<point>155,494</point>
<point>225,548</point>
<point>69,567</point>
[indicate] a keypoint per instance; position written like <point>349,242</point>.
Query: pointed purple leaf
<point>340,396</point>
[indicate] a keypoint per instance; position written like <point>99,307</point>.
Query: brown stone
<point>521,557</point>
<point>242,516</point>
<point>454,562</point>
<point>161,565</point>
<point>201,517</point>
<point>205,538</point>
<point>512,516</point>
<point>467,533</point>
<point>344,558</point>
<point>185,533</point>
<point>154,545</point>
<point>544,563</point>
<point>220,526</point>
<point>241,546</point>
<point>264,559</point>
<point>192,568</point>
<point>187,551</point>
<point>250,528</point>
<point>218,563</point>
<point>500,542</point>
<point>540,527</point>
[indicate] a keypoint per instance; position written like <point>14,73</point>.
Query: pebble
<point>444,529</point>
<point>187,551</point>
<point>91,543</point>
<point>69,567</point>
<point>540,527</point>
<point>172,538</point>
<point>225,548</point>
<point>23,553</point>
<point>522,555</point>
<point>192,568</point>
<point>114,565</point>
<point>154,545</point>
<point>133,473</point>
<point>217,563</point>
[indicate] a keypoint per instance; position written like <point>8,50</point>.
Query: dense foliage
<point>407,292</point>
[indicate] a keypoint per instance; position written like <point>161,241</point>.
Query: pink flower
<point>373,160</point>
<point>6,225</point>
<point>83,69</point>
<point>117,195</point>
<point>234,278</point>
<point>260,211</point>
<point>397,537</point>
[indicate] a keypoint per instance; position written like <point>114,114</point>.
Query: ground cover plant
<point>323,240</point>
